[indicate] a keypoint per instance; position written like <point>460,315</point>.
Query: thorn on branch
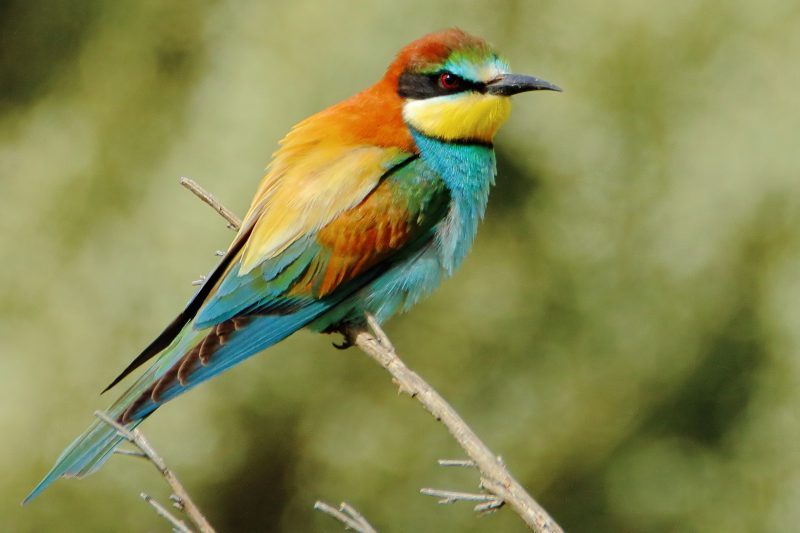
<point>347,515</point>
<point>402,388</point>
<point>177,502</point>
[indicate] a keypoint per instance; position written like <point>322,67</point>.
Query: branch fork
<point>347,515</point>
<point>495,477</point>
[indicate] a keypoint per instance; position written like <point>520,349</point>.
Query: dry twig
<point>373,341</point>
<point>177,524</point>
<point>347,515</point>
<point>138,439</point>
<point>130,453</point>
<point>227,214</point>
<point>488,502</point>
<point>495,478</point>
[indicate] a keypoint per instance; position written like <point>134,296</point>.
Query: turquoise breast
<point>468,172</point>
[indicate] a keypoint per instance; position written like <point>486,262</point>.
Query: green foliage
<point>626,332</point>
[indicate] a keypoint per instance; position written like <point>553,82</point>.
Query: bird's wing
<point>291,222</point>
<point>251,311</point>
<point>313,177</point>
<point>328,260</point>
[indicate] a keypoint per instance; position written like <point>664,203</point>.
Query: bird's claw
<point>345,344</point>
<point>347,339</point>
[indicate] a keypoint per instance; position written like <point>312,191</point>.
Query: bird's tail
<point>86,454</point>
<point>93,447</point>
<point>193,357</point>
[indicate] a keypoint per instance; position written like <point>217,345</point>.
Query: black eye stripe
<point>420,86</point>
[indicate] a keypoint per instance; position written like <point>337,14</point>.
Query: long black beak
<point>509,84</point>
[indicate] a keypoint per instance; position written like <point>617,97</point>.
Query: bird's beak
<point>508,84</point>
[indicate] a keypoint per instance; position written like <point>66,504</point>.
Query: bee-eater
<point>365,208</point>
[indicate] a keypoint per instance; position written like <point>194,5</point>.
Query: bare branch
<point>177,524</point>
<point>347,515</point>
<point>373,341</point>
<point>495,478</point>
<point>227,214</point>
<point>136,438</point>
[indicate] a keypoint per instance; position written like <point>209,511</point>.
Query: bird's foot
<point>347,339</point>
<point>349,330</point>
<point>345,344</point>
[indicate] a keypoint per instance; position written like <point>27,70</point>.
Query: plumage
<point>365,207</point>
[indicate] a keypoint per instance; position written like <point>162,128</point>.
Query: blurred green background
<point>625,333</point>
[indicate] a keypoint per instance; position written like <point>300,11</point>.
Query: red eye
<point>449,81</point>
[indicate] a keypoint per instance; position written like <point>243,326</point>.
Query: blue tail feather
<point>93,448</point>
<point>260,334</point>
<point>78,460</point>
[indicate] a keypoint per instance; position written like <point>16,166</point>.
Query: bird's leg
<point>348,331</point>
<point>345,330</point>
<point>347,341</point>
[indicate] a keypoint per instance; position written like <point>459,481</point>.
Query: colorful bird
<point>365,208</point>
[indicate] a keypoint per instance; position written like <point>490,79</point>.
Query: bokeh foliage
<point>626,332</point>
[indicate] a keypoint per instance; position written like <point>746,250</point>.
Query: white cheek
<point>490,72</point>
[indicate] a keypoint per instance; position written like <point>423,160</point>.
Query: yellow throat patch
<point>466,116</point>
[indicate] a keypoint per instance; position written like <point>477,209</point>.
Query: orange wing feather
<point>362,237</point>
<point>326,165</point>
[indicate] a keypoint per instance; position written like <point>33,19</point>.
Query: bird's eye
<point>449,81</point>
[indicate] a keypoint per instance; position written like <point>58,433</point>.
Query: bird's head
<point>455,87</point>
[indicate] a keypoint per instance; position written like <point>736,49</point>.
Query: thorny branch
<point>372,340</point>
<point>182,500</point>
<point>495,478</point>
